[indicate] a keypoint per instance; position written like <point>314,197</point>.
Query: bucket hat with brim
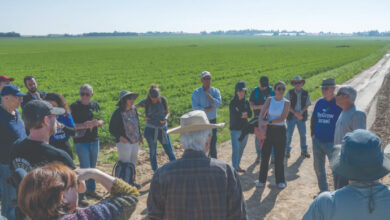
<point>124,94</point>
<point>360,157</point>
<point>297,79</point>
<point>194,121</point>
<point>329,82</point>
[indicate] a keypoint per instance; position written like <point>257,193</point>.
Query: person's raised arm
<point>264,110</point>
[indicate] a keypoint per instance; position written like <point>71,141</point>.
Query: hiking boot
<point>83,203</point>
<point>305,154</point>
<point>288,155</point>
<point>93,195</point>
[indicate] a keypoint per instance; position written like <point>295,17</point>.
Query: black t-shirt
<point>28,154</point>
<point>82,113</point>
<point>258,97</point>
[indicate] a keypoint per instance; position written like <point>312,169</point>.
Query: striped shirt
<point>196,187</point>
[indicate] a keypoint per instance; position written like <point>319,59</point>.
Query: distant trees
<point>9,34</point>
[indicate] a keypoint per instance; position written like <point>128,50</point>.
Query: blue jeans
<point>320,150</point>
<point>302,133</point>
<point>213,142</point>
<point>258,149</point>
<point>8,194</point>
<point>88,153</point>
<point>149,136</point>
<point>237,147</point>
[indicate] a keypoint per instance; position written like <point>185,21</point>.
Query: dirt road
<point>270,202</point>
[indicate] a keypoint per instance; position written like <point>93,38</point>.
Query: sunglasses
<point>280,89</point>
<point>85,94</point>
<point>325,88</point>
<point>207,78</point>
<point>339,93</point>
<point>296,83</point>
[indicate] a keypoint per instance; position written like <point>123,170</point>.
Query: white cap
<point>204,74</point>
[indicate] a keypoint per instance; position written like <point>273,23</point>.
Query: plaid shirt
<point>196,187</point>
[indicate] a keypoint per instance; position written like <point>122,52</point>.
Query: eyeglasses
<point>280,89</point>
<point>297,83</point>
<point>207,78</point>
<point>85,94</point>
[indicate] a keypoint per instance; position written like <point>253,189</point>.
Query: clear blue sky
<point>79,16</point>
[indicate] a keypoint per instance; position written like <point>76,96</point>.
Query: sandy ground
<point>292,202</point>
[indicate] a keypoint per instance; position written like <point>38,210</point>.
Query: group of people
<point>37,161</point>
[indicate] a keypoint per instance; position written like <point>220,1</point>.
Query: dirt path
<point>270,202</point>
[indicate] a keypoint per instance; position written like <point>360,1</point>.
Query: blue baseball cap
<point>11,90</point>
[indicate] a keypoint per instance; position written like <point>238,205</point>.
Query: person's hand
<point>123,140</point>
<point>244,115</point>
<point>298,115</point>
<point>81,187</point>
<point>162,122</point>
<point>60,125</point>
<point>142,141</point>
<point>100,123</point>
<point>208,109</point>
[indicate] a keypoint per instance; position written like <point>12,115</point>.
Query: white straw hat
<point>194,121</point>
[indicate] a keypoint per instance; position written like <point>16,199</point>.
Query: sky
<point>41,17</point>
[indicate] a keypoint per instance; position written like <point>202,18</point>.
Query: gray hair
<point>350,91</point>
<point>86,87</point>
<point>194,140</point>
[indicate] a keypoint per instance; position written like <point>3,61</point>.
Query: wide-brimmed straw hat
<point>124,94</point>
<point>360,157</point>
<point>297,79</point>
<point>194,121</point>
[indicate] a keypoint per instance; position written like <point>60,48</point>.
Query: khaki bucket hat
<point>194,121</point>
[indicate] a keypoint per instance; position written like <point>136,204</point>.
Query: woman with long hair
<point>156,116</point>
<point>274,115</point>
<point>65,126</point>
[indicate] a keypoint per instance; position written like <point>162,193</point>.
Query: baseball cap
<point>11,90</point>
<point>38,109</point>
<point>204,74</point>
<point>5,78</point>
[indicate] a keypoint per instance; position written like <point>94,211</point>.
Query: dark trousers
<point>339,181</point>
<point>213,142</point>
<point>276,137</point>
<point>63,145</point>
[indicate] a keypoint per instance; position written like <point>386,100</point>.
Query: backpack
<point>125,171</point>
<point>257,92</point>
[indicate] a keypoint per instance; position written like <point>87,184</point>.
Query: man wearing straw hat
<point>361,160</point>
<point>323,125</point>
<point>196,186</point>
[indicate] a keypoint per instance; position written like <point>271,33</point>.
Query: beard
<point>32,90</point>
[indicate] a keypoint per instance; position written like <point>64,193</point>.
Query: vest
<point>294,100</point>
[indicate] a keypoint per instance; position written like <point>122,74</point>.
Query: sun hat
<point>297,79</point>
<point>194,121</point>
<point>204,74</point>
<point>6,78</point>
<point>241,86</point>
<point>38,109</point>
<point>11,90</point>
<point>329,82</point>
<point>360,157</point>
<point>125,93</point>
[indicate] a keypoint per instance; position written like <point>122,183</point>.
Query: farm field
<point>175,63</point>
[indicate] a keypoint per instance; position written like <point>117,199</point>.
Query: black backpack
<point>125,171</point>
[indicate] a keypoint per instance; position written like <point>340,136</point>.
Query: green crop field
<point>175,63</point>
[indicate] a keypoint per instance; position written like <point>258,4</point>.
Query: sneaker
<point>305,154</point>
<point>83,203</point>
<point>241,170</point>
<point>288,155</point>
<point>260,184</point>
<point>281,185</point>
<point>93,195</point>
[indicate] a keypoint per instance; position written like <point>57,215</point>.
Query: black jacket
<point>116,125</point>
<point>236,108</point>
